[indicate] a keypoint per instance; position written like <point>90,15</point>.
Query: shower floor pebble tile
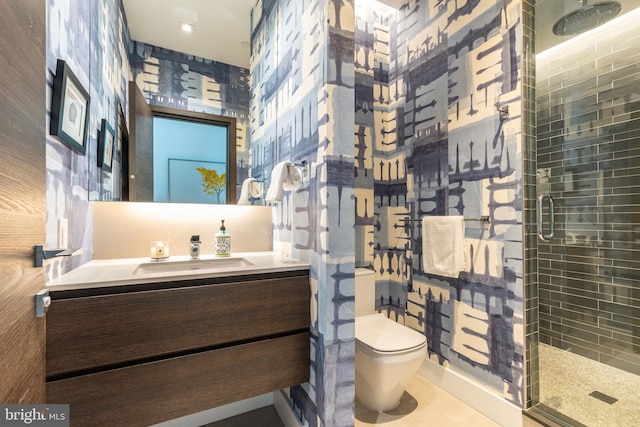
<point>424,404</point>
<point>566,379</point>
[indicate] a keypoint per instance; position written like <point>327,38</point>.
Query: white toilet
<point>388,354</point>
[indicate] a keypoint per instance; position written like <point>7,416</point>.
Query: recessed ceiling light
<point>245,44</point>
<point>186,27</point>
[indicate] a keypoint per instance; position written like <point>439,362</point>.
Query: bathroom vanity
<point>145,342</point>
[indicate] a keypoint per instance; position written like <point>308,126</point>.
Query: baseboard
<point>288,417</point>
<point>220,413</point>
<point>482,400</point>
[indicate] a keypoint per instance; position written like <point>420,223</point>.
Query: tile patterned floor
<point>566,380</point>
<point>424,404</point>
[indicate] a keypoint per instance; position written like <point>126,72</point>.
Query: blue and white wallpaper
<point>395,112</point>
<point>92,37</point>
<point>186,82</point>
<point>430,140</point>
<point>302,101</point>
<point>426,82</point>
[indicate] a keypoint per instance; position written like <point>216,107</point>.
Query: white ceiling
<point>220,27</point>
<point>223,25</point>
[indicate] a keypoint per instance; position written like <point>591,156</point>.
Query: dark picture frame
<point>106,146</point>
<point>69,109</point>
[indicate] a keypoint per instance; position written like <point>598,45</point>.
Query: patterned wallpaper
<point>429,140</point>
<point>92,37</point>
<point>440,147</point>
<point>302,109</point>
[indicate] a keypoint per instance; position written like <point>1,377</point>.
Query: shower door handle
<point>552,225</point>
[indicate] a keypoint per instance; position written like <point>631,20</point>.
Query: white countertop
<point>128,271</point>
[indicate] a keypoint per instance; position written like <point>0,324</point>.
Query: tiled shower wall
<point>530,267</point>
<point>588,102</point>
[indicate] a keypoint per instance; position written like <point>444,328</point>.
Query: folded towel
<point>285,176</point>
<point>443,245</point>
<point>250,188</point>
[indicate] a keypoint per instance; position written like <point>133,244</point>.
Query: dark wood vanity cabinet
<point>142,354</point>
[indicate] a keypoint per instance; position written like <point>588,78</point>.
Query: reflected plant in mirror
<point>167,148</point>
<point>213,183</point>
<point>172,104</point>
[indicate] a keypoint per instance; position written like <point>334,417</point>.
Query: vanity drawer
<point>149,393</point>
<point>89,332</point>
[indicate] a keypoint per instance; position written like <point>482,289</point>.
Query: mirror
<point>177,77</point>
<point>179,155</point>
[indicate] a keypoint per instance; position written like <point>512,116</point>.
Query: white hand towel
<point>279,175</point>
<point>443,251</point>
<point>245,190</point>
<point>285,176</point>
<point>255,189</point>
<point>293,179</point>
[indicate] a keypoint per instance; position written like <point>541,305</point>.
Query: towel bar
<point>302,165</point>
<point>483,219</point>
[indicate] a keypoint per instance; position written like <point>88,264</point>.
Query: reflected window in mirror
<point>172,172</point>
<point>190,161</point>
<point>193,157</point>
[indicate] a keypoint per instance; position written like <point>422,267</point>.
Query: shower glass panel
<point>585,361</point>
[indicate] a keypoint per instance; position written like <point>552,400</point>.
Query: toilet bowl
<point>388,354</point>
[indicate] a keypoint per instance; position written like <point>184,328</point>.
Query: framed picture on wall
<point>69,109</point>
<point>106,143</point>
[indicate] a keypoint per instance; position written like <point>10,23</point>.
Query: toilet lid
<point>385,335</point>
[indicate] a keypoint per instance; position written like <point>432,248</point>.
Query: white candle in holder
<point>159,250</point>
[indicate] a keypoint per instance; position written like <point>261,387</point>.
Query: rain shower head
<point>586,18</point>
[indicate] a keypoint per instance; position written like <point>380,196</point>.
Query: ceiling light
<point>187,28</point>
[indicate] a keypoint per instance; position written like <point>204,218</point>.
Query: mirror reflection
<point>180,81</point>
<point>190,161</point>
<point>180,156</point>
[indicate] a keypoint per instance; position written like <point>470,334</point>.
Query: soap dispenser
<point>222,242</point>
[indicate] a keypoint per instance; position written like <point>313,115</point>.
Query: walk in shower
<point>583,213</point>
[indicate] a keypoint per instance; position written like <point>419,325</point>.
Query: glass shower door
<point>588,253</point>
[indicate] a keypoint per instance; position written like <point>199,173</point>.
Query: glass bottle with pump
<point>222,242</point>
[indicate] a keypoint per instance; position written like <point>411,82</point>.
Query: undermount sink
<point>211,264</point>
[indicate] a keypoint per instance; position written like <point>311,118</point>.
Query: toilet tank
<point>365,292</point>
